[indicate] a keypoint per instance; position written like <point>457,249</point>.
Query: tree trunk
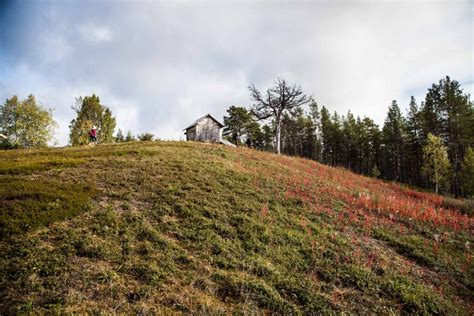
<point>277,136</point>
<point>399,163</point>
<point>457,163</point>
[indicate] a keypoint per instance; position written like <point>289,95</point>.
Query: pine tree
<point>315,116</point>
<point>351,143</point>
<point>268,138</point>
<point>393,139</point>
<point>288,138</point>
<point>375,172</point>
<point>236,123</point>
<point>457,126</point>
<point>337,140</point>
<point>119,138</point>
<point>254,135</point>
<point>430,112</point>
<point>129,137</point>
<point>326,136</point>
<point>311,144</point>
<point>413,152</point>
<point>370,140</point>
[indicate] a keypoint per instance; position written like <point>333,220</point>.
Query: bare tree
<point>275,102</point>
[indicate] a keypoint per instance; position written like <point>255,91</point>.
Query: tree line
<point>429,146</point>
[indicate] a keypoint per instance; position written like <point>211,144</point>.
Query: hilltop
<point>155,227</point>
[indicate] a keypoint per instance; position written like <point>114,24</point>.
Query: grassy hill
<point>184,227</point>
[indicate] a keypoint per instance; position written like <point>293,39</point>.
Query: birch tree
<point>436,163</point>
<point>26,123</point>
<point>90,112</point>
<point>467,172</point>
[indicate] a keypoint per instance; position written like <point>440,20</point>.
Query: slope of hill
<point>184,227</point>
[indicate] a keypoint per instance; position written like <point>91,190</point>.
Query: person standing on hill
<point>93,134</point>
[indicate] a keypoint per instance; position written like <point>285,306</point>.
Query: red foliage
<point>357,200</point>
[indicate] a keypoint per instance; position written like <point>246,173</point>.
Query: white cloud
<point>95,33</point>
<point>58,49</point>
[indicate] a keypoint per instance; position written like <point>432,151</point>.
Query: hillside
<point>187,227</point>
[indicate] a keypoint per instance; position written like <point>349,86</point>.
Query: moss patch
<point>26,204</point>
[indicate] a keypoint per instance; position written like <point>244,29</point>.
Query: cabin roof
<point>199,119</point>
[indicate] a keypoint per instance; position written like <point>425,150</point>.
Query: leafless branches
<point>282,97</point>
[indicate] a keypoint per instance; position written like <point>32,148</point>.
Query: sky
<point>160,65</point>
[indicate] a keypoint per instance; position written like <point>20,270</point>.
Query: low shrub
<point>464,206</point>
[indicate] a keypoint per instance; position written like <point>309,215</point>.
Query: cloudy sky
<point>161,65</point>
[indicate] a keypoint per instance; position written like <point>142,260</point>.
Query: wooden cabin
<point>206,129</point>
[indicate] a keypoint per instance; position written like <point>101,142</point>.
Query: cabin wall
<point>207,130</point>
<point>191,134</point>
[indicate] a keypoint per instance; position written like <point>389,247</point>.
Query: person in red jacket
<point>93,134</point>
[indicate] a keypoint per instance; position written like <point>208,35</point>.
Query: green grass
<point>26,204</point>
<point>163,227</point>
